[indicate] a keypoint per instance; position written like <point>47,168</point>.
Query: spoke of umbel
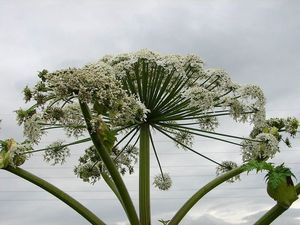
<point>156,156</point>
<point>185,146</point>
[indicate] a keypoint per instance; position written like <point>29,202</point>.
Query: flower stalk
<point>274,212</point>
<point>74,204</point>
<point>144,175</point>
<point>116,177</point>
<point>203,191</point>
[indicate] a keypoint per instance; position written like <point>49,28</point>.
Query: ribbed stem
<point>74,204</point>
<point>274,212</point>
<point>203,191</point>
<point>109,164</point>
<point>144,176</point>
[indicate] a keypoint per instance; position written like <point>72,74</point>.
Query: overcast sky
<point>257,42</point>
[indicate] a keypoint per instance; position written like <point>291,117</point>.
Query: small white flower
<point>33,129</point>
<point>88,172</point>
<point>209,123</point>
<point>57,153</point>
<point>291,125</point>
<point>162,182</point>
<point>237,110</point>
<point>227,166</point>
<point>254,93</point>
<point>183,138</point>
<point>200,98</point>
<point>18,156</point>
<point>265,147</point>
<point>220,78</point>
<point>73,120</point>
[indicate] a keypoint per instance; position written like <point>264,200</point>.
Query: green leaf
<point>107,135</point>
<point>164,222</point>
<point>259,166</point>
<point>100,109</point>
<point>278,175</point>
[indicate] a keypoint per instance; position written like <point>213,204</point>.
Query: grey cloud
<point>255,41</point>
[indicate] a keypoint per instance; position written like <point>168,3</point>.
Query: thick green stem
<point>203,191</point>
<point>144,175</point>
<point>113,187</point>
<point>274,212</point>
<point>109,164</point>
<point>77,206</point>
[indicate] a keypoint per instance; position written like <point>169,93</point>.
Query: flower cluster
<point>56,152</point>
<point>33,128</point>
<point>208,123</point>
<point>94,84</point>
<point>124,64</point>
<point>172,94</point>
<point>184,138</point>
<point>249,103</point>
<point>277,127</point>
<point>226,167</point>
<point>200,98</point>
<point>291,126</point>
<point>162,181</point>
<point>91,166</point>
<point>13,153</point>
<point>265,147</point>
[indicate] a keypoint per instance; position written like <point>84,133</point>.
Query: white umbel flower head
<point>184,138</point>
<point>200,98</point>
<point>162,182</point>
<point>264,148</point>
<point>291,125</point>
<point>18,154</point>
<point>220,79</point>
<point>56,153</point>
<point>227,166</point>
<point>33,129</point>
<point>208,123</point>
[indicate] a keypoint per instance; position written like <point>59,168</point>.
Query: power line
<point>131,190</point>
<point>136,175</point>
<point>134,199</point>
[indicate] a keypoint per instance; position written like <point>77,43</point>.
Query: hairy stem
<point>203,191</point>
<point>274,212</point>
<point>144,176</point>
<point>74,204</point>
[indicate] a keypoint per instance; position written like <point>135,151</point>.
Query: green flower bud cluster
<point>278,127</point>
<point>12,153</point>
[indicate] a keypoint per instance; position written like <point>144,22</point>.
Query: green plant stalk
<point>113,171</point>
<point>113,187</point>
<point>274,212</point>
<point>144,175</point>
<point>74,204</point>
<point>203,191</point>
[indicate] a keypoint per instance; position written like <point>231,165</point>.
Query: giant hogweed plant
<point>118,102</point>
